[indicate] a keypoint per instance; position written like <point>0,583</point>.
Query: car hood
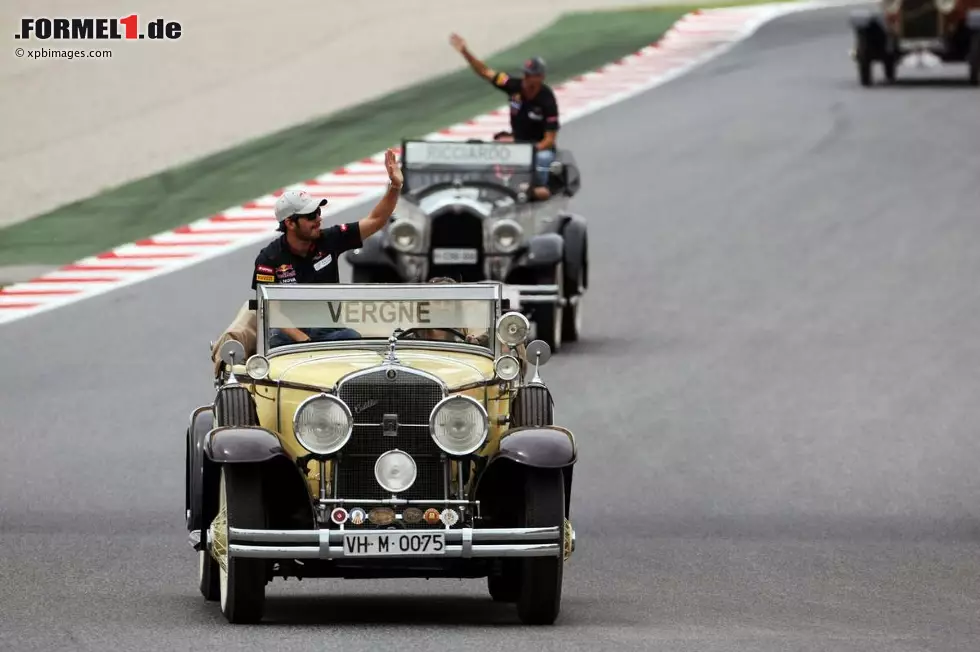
<point>325,369</point>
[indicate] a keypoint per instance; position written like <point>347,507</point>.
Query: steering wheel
<point>455,332</point>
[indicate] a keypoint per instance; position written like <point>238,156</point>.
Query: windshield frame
<point>491,292</point>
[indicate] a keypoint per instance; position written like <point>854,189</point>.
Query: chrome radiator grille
<point>390,395</point>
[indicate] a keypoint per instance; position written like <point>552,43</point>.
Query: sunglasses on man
<point>308,216</point>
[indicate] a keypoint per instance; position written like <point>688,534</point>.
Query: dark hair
<point>442,279</point>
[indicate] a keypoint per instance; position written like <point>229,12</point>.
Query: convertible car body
<point>947,29</point>
<point>468,212</point>
<point>422,445</point>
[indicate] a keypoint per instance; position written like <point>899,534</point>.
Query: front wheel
<point>242,580</point>
<point>539,599</point>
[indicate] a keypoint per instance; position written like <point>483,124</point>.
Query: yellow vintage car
<point>412,436</point>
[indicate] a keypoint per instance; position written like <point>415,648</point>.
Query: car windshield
<point>429,312</point>
<point>432,163</point>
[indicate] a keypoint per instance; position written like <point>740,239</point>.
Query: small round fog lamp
<point>395,471</point>
<point>507,367</point>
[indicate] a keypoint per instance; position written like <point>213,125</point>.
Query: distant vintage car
<point>467,211</point>
<point>422,445</point>
<point>947,29</point>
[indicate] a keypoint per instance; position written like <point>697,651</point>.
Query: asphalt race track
<point>777,400</point>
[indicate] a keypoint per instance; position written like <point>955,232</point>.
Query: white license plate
<point>454,256</point>
<point>395,544</point>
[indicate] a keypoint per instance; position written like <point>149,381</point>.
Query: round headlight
<point>404,235</point>
<point>323,424</point>
<point>459,425</point>
<point>506,235</point>
<point>507,367</point>
<point>512,328</point>
<point>946,6</point>
<point>257,367</point>
<point>395,471</point>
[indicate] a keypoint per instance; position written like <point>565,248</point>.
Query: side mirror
<point>232,352</point>
<point>538,353</point>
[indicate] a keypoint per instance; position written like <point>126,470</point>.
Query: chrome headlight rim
<point>305,405</point>
<point>525,326</point>
<point>484,430</point>
<point>518,235</point>
<point>506,358</point>
<point>257,367</point>
<point>401,225</point>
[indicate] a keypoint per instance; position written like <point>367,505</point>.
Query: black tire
<point>539,602</point>
<point>974,59</point>
<point>863,59</point>
<point>506,587</point>
<point>890,65</point>
<point>548,319</point>
<point>243,586</point>
<point>571,321</point>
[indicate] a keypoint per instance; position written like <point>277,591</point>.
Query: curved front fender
<point>371,254</point>
<point>550,447</point>
<point>544,250</point>
<point>242,444</point>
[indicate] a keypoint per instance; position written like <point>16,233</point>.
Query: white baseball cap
<point>296,202</point>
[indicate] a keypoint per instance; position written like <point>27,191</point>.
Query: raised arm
<point>482,69</point>
<point>380,214</point>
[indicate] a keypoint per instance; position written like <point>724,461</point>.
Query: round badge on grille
<point>391,374</point>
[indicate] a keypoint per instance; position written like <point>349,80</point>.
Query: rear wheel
<point>974,59</point>
<point>242,580</point>
<point>862,56</point>
<point>539,599</point>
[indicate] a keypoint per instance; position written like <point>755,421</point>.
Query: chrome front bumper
<point>466,543</point>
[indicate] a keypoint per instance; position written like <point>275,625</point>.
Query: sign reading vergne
<point>379,318</point>
<point>467,154</point>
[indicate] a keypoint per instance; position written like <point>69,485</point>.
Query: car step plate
<point>393,544</point>
<point>454,256</point>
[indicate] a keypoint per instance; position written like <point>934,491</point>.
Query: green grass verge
<point>574,44</point>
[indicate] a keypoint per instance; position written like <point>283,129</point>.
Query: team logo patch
<point>284,272</point>
<point>263,269</point>
<point>343,227</point>
<point>265,278</point>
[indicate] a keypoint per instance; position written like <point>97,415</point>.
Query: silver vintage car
<point>468,212</point>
